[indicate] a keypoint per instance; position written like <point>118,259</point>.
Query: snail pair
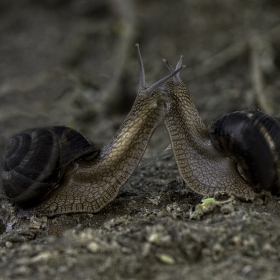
<point>57,170</point>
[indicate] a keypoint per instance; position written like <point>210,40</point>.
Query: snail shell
<point>251,138</point>
<point>35,161</point>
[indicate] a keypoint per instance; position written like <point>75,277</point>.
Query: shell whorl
<point>251,138</point>
<point>35,161</point>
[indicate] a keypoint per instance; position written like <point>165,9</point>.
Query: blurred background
<point>74,62</point>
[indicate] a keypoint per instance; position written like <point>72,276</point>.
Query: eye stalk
<point>150,89</point>
<point>176,78</point>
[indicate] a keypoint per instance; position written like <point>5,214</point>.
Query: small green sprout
<point>165,258</point>
<point>207,205</point>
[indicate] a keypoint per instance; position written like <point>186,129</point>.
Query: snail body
<point>209,160</point>
<point>84,178</point>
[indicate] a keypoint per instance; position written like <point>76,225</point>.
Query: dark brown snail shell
<point>35,161</point>
<point>252,139</point>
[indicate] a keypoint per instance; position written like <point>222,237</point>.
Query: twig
<point>216,61</point>
<point>257,78</point>
<point>228,54</point>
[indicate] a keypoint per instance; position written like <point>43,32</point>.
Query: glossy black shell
<point>35,160</point>
<point>252,138</point>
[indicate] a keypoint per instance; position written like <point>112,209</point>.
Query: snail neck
<point>184,123</point>
<point>203,168</point>
<point>125,150</point>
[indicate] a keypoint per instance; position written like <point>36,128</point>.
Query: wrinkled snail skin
<point>90,185</point>
<point>205,169</point>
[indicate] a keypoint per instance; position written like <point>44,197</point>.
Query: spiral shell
<point>252,139</point>
<point>35,161</point>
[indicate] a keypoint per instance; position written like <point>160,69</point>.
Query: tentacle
<point>157,84</point>
<point>176,78</point>
<point>142,83</point>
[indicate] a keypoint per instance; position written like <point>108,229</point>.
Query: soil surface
<point>74,63</point>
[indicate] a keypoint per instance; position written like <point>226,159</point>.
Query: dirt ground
<point>74,63</point>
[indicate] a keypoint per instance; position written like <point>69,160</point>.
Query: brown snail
<point>209,160</point>
<point>57,170</point>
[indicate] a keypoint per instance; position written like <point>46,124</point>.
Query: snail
<point>55,170</point>
<point>238,154</point>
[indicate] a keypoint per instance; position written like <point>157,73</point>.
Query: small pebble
<point>9,244</point>
<point>93,247</point>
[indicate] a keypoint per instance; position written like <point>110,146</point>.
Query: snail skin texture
<point>63,172</point>
<point>209,160</point>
